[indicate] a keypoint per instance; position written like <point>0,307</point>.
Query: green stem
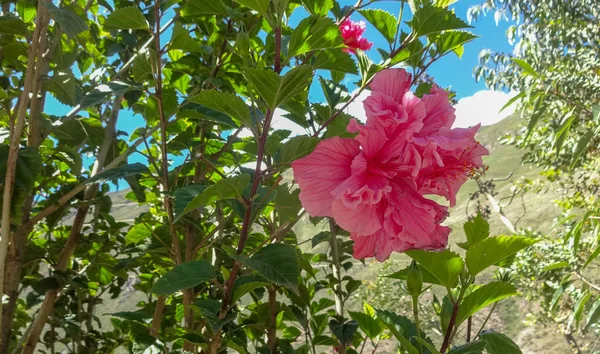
<point>416,314</point>
<point>486,321</point>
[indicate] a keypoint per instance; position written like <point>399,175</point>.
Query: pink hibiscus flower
<point>373,186</point>
<point>352,33</point>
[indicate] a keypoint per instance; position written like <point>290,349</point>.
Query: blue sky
<point>449,71</point>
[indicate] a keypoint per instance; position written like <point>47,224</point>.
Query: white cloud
<point>483,107</point>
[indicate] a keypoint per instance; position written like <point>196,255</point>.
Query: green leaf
<point>246,284</point>
<point>184,196</point>
<point>427,345</point>
<point>383,21</point>
<point>126,18</point>
<point>563,132</point>
<point>525,66</point>
<point>592,256</point>
<point>492,250</point>
<point>498,343</point>
<point>581,148</point>
<point>68,21</point>
<point>260,6</point>
<point>195,8</point>
<point>318,7</point>
<point>323,236</point>
<point>593,315</point>
<point>118,172</point>
<point>578,310</point>
<point>296,148</point>
<point>210,309</point>
<point>314,33</point>
<point>336,61</point>
<point>227,188</point>
<point>475,347</point>
<point>63,87</point>
<point>26,11</point>
<point>512,100</point>
<point>181,39</point>
<point>343,331</point>
<point>556,265</point>
<point>332,91</point>
<point>453,41</point>
<point>136,316</point>
<point>476,229</point>
<point>324,340</point>
<point>276,262</point>
<point>103,93</point>
<point>367,324</point>
<point>445,266</point>
<point>141,68</point>
<point>275,89</point>
<point>226,103</point>
<point>12,25</point>
<point>137,233</point>
<point>184,276</point>
<point>287,204</point>
<point>431,19</point>
<point>401,327</point>
<point>482,297</point>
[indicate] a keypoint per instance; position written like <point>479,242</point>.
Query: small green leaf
<point>383,21</point>
<point>371,326</point>
<point>184,276</point>
<point>492,250</point>
<point>103,93</point>
<point>431,19</point>
<point>427,345</point>
<point>323,236</point>
<point>556,265</point>
<point>336,61</point>
<point>181,39</point>
<point>578,310</point>
<point>318,7</point>
<point>246,284</point>
<point>138,233</point>
<point>260,6</point>
<point>195,8</point>
<point>453,41</point>
<point>446,266</point>
<point>512,100</point>
<point>275,262</point>
<point>482,297</point>
<point>275,89</point>
<point>226,103</point>
<point>525,66</point>
<point>427,276</point>
<point>498,343</point>
<point>26,11</point>
<point>141,68</point>
<point>136,316</point>
<point>592,256</point>
<point>68,21</point>
<point>63,87</point>
<point>126,18</point>
<point>343,331</point>
<point>210,310</point>
<point>401,327</point>
<point>563,132</point>
<point>296,148</point>
<point>184,196</point>
<point>581,148</point>
<point>12,25</point>
<point>118,173</point>
<point>227,188</point>
<point>593,315</point>
<point>324,340</point>
<point>475,347</point>
<point>476,229</point>
<point>314,33</point>
<point>287,204</point>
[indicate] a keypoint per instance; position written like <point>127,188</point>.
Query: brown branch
<point>450,328</point>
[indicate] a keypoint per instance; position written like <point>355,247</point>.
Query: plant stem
<point>272,329</point>
<point>415,303</point>
<point>486,321</point>
<point>337,274</point>
<point>469,324</point>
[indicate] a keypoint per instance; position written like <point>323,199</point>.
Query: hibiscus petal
<point>319,173</point>
<point>392,82</point>
<point>362,220</point>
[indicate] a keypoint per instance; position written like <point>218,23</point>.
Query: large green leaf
<point>336,61</point>
<point>593,315</point>
<point>245,284</point>
<point>11,24</point>
<point>498,343</point>
<point>276,262</point>
<point>401,327</point>
<point>126,18</point>
<point>482,297</point>
<point>287,204</point>
<point>68,21</point>
<point>227,188</point>
<point>184,276</point>
<point>371,326</point>
<point>184,196</point>
<point>118,173</point>
<point>181,39</point>
<point>194,8</point>
<point>260,6</point>
<point>226,103</point>
<point>29,166</point>
<point>446,266</point>
<point>275,89</point>
<point>492,250</point>
<point>318,7</point>
<point>383,21</point>
<point>314,33</point>
<point>63,87</point>
<point>26,11</point>
<point>432,19</point>
<point>296,148</point>
<point>427,276</point>
<point>137,233</point>
<point>343,331</point>
<point>453,41</point>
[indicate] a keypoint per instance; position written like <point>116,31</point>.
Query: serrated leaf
<point>227,188</point>
<point>492,250</point>
<point>336,61</point>
<point>138,233</point>
<point>126,18</point>
<point>68,21</point>
<point>318,7</point>
<point>427,276</point>
<point>296,148</point>
<point>482,297</point>
<point>371,326</point>
<point>184,196</point>
<point>226,103</point>
<point>287,204</point>
<point>12,25</point>
<point>260,6</point>
<point>401,327</point>
<point>275,89</point>
<point>184,276</point>
<point>476,229</point>
<point>118,173</point>
<point>275,262</point>
<point>498,343</point>
<point>383,21</point>
<point>332,91</point>
<point>431,19</point>
<point>314,33</point>
<point>141,68</point>
<point>581,148</point>
<point>103,93</point>
<point>525,67</point>
<point>194,8</point>
<point>453,41</point>
<point>63,87</point>
<point>181,39</point>
<point>446,266</point>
